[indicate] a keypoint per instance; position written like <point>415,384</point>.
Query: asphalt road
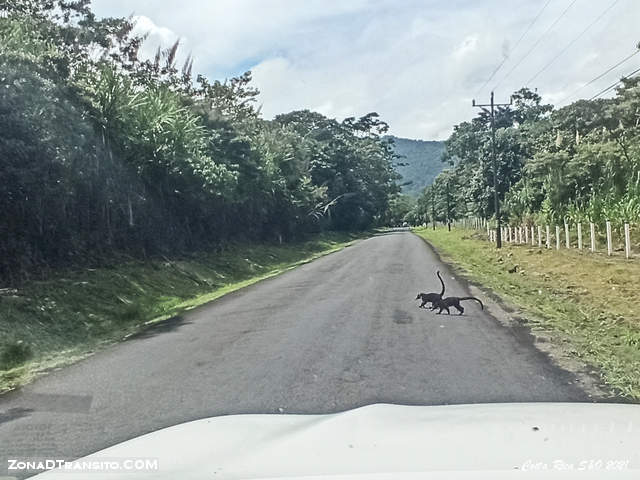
<point>338,333</point>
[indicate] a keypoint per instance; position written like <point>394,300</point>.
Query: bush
<point>130,312</point>
<point>15,354</point>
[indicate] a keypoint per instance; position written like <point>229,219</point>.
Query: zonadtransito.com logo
<point>89,465</point>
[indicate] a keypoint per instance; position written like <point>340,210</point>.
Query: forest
<point>420,161</point>
<point>103,152</point>
<point>579,163</point>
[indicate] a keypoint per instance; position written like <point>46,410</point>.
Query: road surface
<point>338,333</point>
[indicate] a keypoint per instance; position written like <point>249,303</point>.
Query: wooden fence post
<point>526,235</point>
<point>510,240</point>
<point>627,240</point>
<point>566,235</point>
<point>579,236</point>
<point>548,237</point>
<point>609,244</point>
<point>557,237</point>
<point>592,231</point>
<point>533,240</point>
<point>539,236</point>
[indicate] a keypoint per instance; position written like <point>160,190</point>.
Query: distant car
<point>490,441</point>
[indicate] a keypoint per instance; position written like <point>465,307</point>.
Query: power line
<point>606,10</point>
<point>598,77</point>
<point>533,47</point>
<point>514,47</point>
<point>602,92</point>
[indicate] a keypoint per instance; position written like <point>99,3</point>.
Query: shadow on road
<point>391,232</point>
<point>158,328</point>
<point>14,414</point>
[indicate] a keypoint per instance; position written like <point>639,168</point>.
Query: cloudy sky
<point>418,63</point>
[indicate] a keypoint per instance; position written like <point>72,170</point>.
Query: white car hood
<point>488,441</point>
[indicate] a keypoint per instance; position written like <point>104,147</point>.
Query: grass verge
<point>48,324</point>
<point>588,303</point>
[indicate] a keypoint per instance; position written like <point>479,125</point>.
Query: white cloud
<point>157,36</point>
<point>417,62</point>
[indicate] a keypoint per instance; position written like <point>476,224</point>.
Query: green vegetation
<point>104,153</point>
<point>419,163</point>
<point>53,322</point>
<point>586,303</point>
<point>579,163</point>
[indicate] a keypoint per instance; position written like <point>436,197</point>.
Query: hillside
<point>422,159</point>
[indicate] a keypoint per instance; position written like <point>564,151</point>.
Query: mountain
<point>423,162</point>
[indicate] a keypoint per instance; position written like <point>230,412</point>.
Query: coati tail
<point>442,282</point>
<point>473,298</point>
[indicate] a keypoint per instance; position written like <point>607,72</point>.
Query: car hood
<point>547,440</point>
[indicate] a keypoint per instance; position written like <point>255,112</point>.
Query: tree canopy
<point>576,163</point>
<point>102,151</point>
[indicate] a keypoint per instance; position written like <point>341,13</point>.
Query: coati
<point>445,303</point>
<point>431,297</point>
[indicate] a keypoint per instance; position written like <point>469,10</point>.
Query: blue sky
<point>418,63</point>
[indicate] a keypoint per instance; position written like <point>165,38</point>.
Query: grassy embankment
<point>47,324</point>
<point>588,303</point>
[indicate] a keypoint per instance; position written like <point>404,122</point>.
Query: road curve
<point>334,334</point>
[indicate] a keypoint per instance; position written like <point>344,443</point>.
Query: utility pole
<point>448,184</point>
<point>493,161</point>
<point>433,208</point>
